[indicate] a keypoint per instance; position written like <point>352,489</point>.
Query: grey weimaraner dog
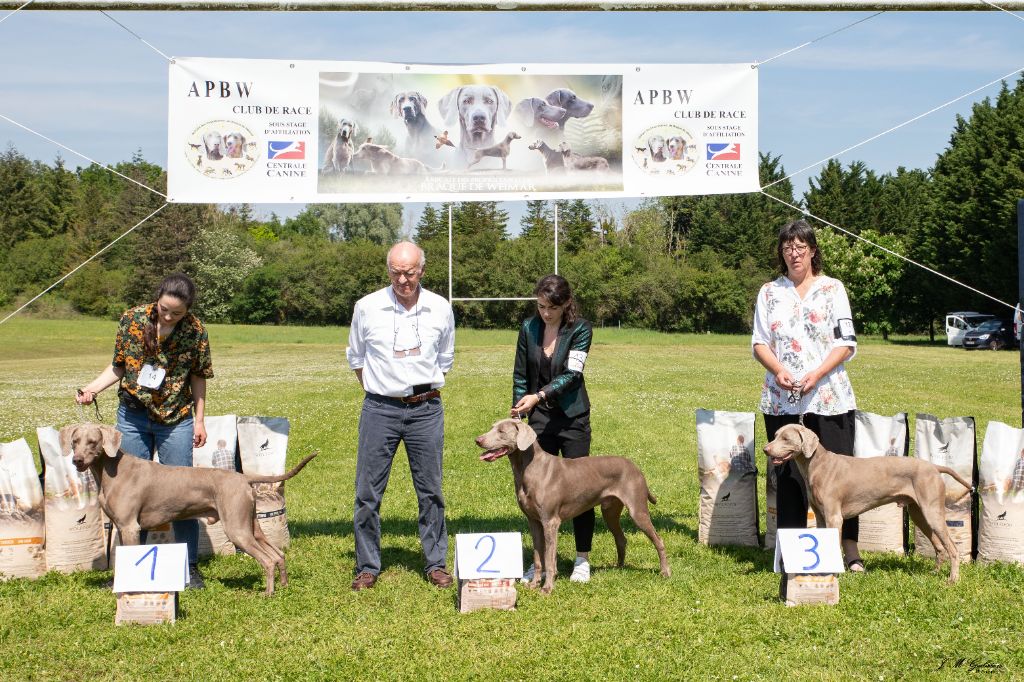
<point>550,489</point>
<point>136,493</point>
<point>842,487</point>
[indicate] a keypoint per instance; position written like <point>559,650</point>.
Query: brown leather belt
<point>420,397</point>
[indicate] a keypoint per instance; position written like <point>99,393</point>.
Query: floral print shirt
<point>186,351</point>
<point>801,334</point>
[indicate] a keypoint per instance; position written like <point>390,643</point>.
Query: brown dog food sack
<point>74,530</point>
<point>22,528</point>
<point>882,529</point>
<point>263,446</point>
<point>728,478</point>
<point>1001,487</point>
<point>219,453</point>
<point>949,442</point>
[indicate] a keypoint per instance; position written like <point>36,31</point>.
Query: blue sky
<point>82,80</point>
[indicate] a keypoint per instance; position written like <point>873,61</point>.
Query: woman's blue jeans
<point>142,437</point>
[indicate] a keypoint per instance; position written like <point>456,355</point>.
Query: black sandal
<point>855,562</point>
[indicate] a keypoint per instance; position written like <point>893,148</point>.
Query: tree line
<point>685,264</point>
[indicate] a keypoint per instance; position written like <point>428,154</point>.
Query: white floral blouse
<point>801,334</point>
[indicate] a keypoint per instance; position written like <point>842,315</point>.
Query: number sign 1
<point>488,555</point>
<point>808,550</point>
<point>150,568</point>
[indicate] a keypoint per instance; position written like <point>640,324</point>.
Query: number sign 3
<point>808,550</point>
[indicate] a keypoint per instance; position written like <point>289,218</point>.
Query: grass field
<point>717,617</point>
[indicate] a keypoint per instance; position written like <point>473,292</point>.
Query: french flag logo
<point>286,150</point>
<point>724,151</point>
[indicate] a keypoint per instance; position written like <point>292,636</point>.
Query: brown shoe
<point>440,578</point>
<point>364,581</point>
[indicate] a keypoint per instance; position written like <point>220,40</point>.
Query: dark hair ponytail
<point>179,286</point>
<point>558,292</point>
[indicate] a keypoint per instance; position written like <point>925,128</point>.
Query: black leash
<point>95,404</point>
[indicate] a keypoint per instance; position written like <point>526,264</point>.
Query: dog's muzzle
<point>496,453</point>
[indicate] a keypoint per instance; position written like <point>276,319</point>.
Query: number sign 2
<point>808,550</point>
<point>150,568</point>
<point>488,555</point>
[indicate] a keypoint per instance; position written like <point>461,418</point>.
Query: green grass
<point>716,618</point>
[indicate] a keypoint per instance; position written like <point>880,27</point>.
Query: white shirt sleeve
<point>841,311</point>
<point>356,351</point>
<point>762,333</point>
<point>446,344</point>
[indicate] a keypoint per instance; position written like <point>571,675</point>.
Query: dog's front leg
<point>550,553</point>
<point>537,533</point>
<point>130,533</point>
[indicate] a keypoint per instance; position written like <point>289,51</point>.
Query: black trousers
<point>835,432</point>
<point>569,436</point>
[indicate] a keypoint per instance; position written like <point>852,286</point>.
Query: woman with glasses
<point>161,364</point>
<point>548,385</point>
<point>803,335</point>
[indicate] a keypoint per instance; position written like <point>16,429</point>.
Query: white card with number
<point>150,568</point>
<point>808,550</point>
<point>488,555</point>
<point>151,377</point>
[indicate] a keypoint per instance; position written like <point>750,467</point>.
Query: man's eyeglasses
<point>795,249</point>
<point>409,274</point>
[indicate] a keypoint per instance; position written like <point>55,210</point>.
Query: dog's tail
<point>254,478</point>
<point>959,479</point>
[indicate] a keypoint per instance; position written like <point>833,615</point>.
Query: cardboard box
<point>486,593</point>
<point>806,588</point>
<point>146,608</point>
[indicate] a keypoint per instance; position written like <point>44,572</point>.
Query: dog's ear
<point>422,100</point>
<point>396,111</point>
<point>111,440</point>
<point>525,436</point>
<point>504,106</point>
<point>554,98</point>
<point>810,442</point>
<point>449,106</point>
<point>526,112</point>
<point>67,435</point>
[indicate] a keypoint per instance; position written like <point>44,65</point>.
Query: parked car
<point>992,334</point>
<point>958,324</point>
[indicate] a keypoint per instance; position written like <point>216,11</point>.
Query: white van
<point>958,324</point>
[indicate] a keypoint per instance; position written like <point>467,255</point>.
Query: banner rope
<point>15,11</point>
<point>896,127</point>
<point>887,250</point>
<point>1003,9</point>
<point>84,263</point>
<point>77,153</point>
<point>811,42</point>
<point>144,41</point>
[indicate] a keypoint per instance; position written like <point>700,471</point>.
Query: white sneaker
<point>528,576</point>
<point>580,571</point>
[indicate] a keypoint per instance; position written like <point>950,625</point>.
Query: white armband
<point>576,360</point>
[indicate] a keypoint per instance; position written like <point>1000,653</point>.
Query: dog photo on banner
<point>74,525</point>
<point>882,529</point>
<point>21,513</point>
<point>951,443</point>
<point>728,478</point>
<point>1001,488</point>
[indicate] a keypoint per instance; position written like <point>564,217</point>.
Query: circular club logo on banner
<point>221,149</point>
<point>665,150</point>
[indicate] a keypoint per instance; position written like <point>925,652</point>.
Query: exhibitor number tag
<point>151,377</point>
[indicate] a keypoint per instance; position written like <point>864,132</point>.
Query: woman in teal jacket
<point>548,385</point>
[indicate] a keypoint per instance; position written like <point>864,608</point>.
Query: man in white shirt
<point>400,345</point>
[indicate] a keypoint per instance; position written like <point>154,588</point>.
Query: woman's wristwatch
<point>542,397</point>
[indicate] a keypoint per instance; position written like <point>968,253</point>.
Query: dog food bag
<point>218,452</point>
<point>728,478</point>
<point>146,608</point>
<point>74,530</point>
<point>949,442</point>
<point>22,528</point>
<point>882,529</point>
<point>263,446</point>
<point>1001,487</point>
<point>484,593</point>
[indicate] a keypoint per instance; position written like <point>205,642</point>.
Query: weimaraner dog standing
<point>842,487</point>
<point>136,493</point>
<point>550,489</point>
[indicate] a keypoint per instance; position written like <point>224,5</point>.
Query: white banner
<point>249,130</point>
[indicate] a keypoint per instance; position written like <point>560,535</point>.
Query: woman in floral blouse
<point>161,363</point>
<point>803,333</point>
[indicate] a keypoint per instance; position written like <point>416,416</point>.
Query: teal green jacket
<point>567,388</point>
